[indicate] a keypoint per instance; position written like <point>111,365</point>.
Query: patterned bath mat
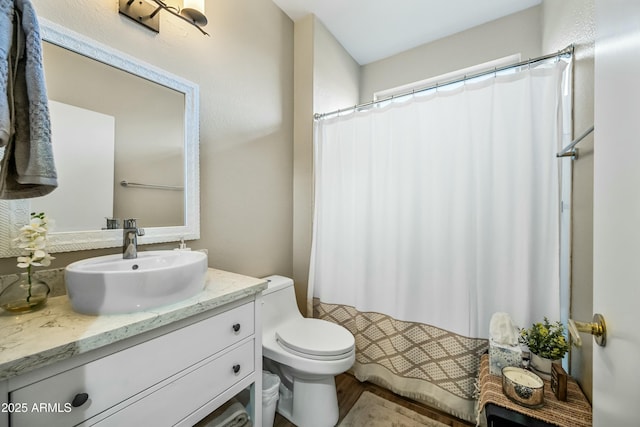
<point>374,411</point>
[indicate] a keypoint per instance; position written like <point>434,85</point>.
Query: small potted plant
<point>547,344</point>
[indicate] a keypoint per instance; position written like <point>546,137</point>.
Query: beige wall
<point>303,154</point>
<point>245,73</point>
<point>326,77</point>
<point>336,75</point>
<point>517,33</point>
<point>566,22</point>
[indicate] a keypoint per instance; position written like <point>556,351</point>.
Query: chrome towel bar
<point>570,150</point>
<point>125,183</point>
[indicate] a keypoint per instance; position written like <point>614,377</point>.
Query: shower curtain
<point>430,215</point>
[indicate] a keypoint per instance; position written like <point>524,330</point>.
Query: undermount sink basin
<point>110,284</point>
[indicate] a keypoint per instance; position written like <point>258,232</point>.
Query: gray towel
<point>6,33</point>
<point>27,169</point>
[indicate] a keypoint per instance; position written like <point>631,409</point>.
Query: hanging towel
<point>6,31</point>
<point>27,168</point>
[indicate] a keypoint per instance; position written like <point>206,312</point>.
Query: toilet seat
<point>315,339</point>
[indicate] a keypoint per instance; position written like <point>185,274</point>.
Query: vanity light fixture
<point>146,12</point>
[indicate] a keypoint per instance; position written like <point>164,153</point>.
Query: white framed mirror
<point>152,138</point>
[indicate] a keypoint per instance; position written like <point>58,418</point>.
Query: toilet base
<point>312,403</point>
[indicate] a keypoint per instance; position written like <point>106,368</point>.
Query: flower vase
<point>21,296</point>
<point>542,366</point>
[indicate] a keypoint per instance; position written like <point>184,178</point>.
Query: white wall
<point>84,196</point>
<point>245,74</point>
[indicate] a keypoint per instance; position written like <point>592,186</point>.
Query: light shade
<point>194,10</point>
<point>194,4</point>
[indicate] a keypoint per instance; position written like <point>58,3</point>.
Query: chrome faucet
<point>130,238</point>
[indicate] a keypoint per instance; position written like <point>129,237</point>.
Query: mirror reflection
<point>110,127</point>
<point>114,119</point>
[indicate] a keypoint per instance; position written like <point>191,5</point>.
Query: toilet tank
<point>279,302</point>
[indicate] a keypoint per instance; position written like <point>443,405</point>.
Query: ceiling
<point>374,29</point>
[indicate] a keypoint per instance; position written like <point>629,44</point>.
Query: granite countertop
<point>56,332</point>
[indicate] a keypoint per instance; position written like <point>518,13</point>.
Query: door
<point>616,264</point>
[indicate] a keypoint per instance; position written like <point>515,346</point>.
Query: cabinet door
<point>186,394</point>
<point>115,378</point>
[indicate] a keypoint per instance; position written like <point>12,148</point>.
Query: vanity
<point>172,365</point>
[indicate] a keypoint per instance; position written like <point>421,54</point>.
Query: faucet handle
<point>129,223</point>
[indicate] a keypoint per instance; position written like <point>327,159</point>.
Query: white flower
<point>33,241</point>
<point>24,261</point>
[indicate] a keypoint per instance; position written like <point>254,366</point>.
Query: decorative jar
<point>24,294</point>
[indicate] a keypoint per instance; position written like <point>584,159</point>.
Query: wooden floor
<point>349,390</point>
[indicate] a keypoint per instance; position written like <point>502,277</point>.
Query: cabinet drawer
<point>116,377</point>
<point>186,394</point>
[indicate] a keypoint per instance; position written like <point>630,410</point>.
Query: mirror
<point>147,122</point>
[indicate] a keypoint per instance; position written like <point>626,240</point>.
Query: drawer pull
<point>79,400</point>
<point>236,369</point>
<point>236,327</point>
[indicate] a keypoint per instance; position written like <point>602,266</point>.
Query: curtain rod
<point>566,52</point>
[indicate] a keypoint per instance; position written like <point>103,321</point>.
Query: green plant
<point>545,339</point>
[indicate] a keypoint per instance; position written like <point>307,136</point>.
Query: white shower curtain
<point>434,213</point>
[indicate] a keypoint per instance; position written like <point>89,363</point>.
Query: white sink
<point>110,284</point>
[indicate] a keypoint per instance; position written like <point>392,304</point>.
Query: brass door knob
<point>597,328</point>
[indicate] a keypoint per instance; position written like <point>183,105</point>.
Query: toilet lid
<point>315,337</point>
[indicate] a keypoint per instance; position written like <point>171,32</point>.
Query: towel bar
<point>126,183</point>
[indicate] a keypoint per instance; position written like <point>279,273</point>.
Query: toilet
<point>306,354</point>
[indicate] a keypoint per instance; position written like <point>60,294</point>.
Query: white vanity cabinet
<point>175,374</point>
